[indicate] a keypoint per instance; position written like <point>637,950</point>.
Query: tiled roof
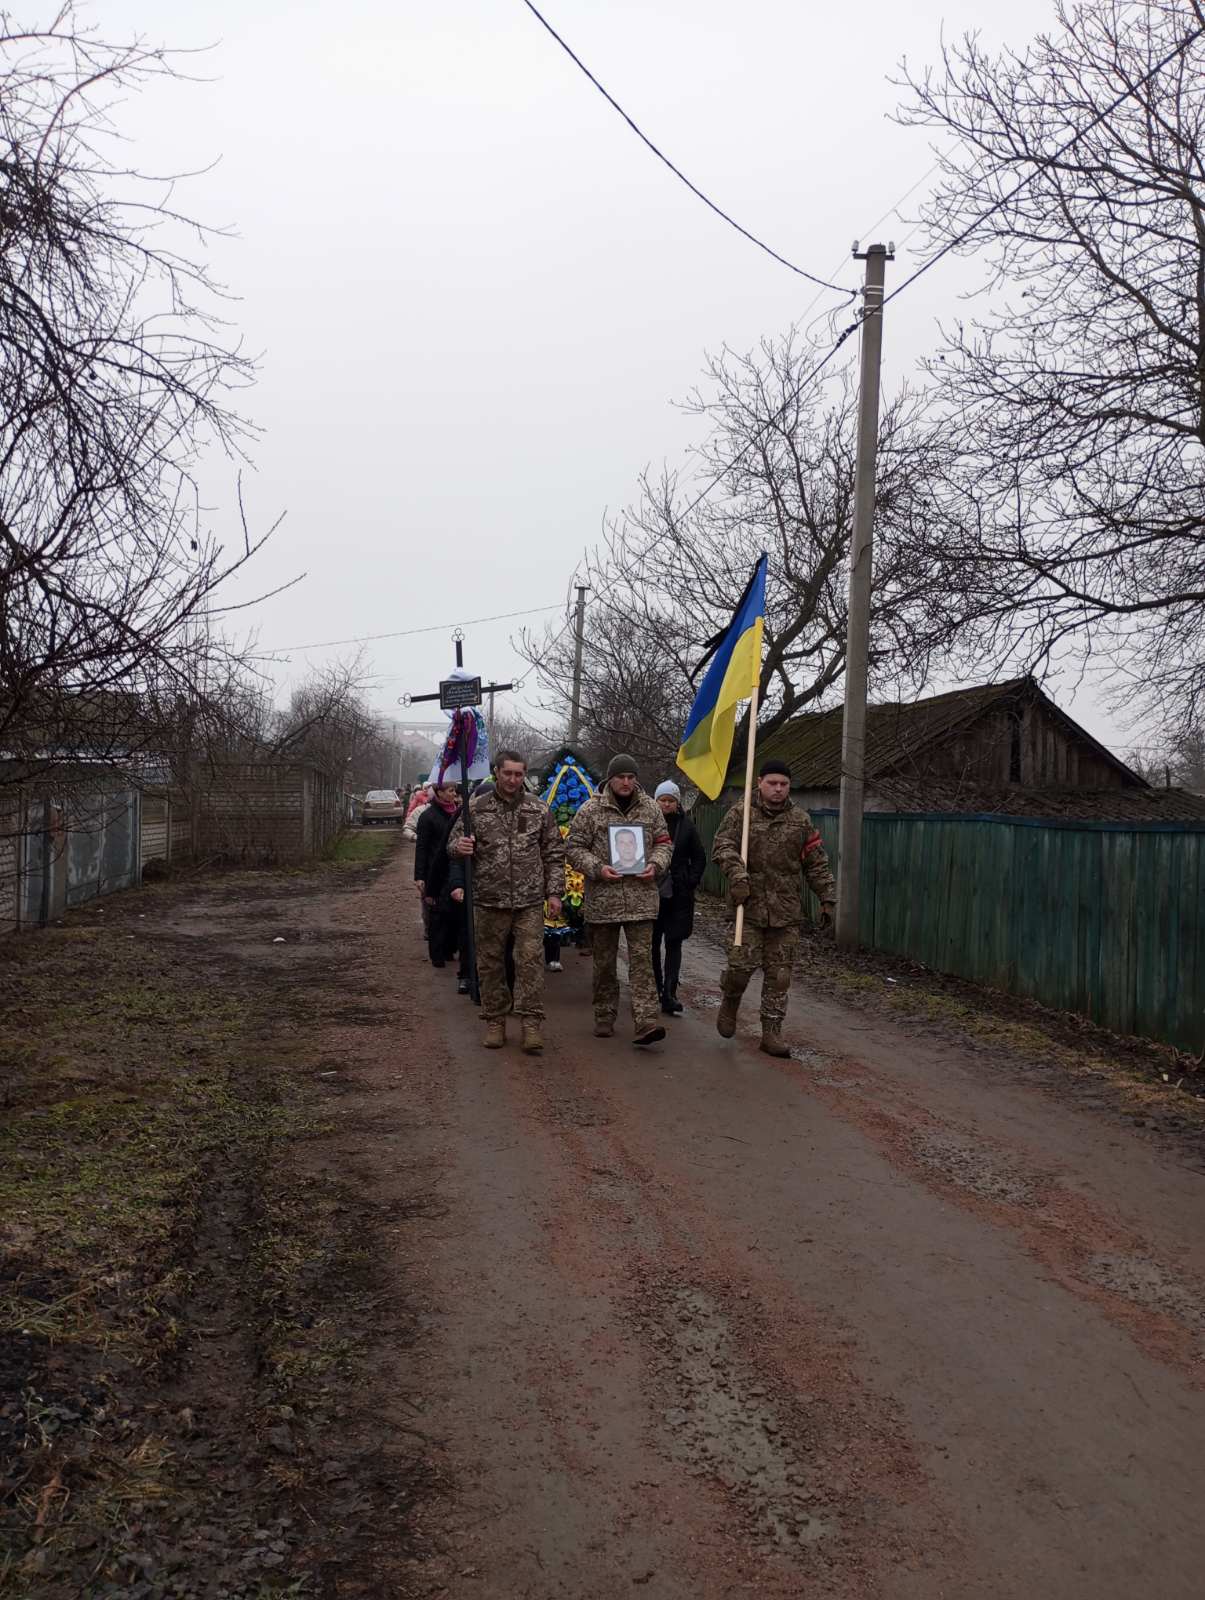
<point>896,734</point>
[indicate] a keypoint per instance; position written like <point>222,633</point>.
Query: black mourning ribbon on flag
<point>714,643</point>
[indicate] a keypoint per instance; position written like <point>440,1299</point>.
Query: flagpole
<point>750,754</point>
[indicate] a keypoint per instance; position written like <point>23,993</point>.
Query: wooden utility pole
<point>575,710</point>
<point>857,646</point>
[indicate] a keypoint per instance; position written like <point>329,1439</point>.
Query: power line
<point>627,570</point>
<point>854,326</point>
<point>409,633</point>
<point>677,172</point>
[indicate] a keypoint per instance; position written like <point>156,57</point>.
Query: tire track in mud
<point>750,1397</point>
<point>1095,1256</point>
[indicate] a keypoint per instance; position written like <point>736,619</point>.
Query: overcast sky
<point>477,295</point>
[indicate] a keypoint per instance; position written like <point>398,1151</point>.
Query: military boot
<point>533,1042</point>
<point>495,1034</point>
<point>725,1022</point>
<point>772,1041</point>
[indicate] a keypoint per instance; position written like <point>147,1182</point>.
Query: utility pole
<point>857,643</point>
<point>575,710</point>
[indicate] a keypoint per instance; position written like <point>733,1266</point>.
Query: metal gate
<point>77,851</point>
<point>102,845</point>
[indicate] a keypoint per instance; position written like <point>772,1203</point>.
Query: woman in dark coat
<point>676,913</point>
<point>445,932</point>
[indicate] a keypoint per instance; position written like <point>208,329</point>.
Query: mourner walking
<point>443,918</point>
<point>619,822</point>
<point>676,910</point>
<point>518,863</point>
<point>782,839</point>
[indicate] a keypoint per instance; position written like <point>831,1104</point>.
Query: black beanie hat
<point>621,767</point>
<point>778,768</point>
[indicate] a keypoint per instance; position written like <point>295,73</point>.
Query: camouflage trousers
<point>642,986</point>
<point>494,925</point>
<point>774,951</point>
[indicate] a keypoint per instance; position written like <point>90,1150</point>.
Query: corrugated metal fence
<point>56,853</point>
<point>1107,919</point>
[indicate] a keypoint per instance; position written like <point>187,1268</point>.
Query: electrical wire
<point>852,328</point>
<point>408,633</point>
<point>677,172</point>
<point>539,662</point>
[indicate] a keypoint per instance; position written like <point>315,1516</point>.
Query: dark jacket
<point>676,916</point>
<point>431,849</point>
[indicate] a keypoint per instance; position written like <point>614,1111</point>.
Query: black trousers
<point>667,971</point>
<point>447,935</point>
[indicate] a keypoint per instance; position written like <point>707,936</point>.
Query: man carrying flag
<point>763,844</point>
<point>766,885</point>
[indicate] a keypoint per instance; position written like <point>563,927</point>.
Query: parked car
<point>382,805</point>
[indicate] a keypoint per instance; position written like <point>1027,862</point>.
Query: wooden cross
<point>458,694</point>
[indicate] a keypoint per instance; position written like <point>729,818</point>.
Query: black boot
<point>667,1004</point>
<point>673,1006</point>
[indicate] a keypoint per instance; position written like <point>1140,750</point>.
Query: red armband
<point>814,842</point>
<point>662,838</point>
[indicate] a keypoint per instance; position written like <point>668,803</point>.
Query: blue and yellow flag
<point>706,748</point>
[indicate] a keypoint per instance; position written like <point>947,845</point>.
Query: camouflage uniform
<point>780,841</point>
<point>493,926</point>
<point>518,864</point>
<point>628,905</point>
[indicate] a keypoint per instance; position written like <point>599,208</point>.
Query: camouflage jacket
<point>520,855</point>
<point>589,849</point>
<point>780,842</point>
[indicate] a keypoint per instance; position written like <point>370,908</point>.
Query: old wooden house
<point>993,749</point>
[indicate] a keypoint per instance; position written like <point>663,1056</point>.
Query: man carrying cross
<point>518,860</point>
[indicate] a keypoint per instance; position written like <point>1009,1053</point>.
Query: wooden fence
<point>1107,919</point>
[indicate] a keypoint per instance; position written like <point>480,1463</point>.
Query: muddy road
<point>906,1316</point>
<point>877,1321</point>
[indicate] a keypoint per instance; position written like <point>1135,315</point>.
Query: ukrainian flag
<point>733,675</point>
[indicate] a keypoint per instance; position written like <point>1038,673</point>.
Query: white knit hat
<point>669,787</point>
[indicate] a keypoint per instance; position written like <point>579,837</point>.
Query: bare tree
<point>329,725</point>
<point>512,731</point>
<point>1075,404</point>
<point>781,452</point>
<point>116,373</point>
<point>1181,761</point>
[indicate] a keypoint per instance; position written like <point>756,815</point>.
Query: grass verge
<point>184,1300</point>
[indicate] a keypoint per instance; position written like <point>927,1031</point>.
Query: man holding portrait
<point>620,844</point>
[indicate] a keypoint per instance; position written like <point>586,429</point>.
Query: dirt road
<point>878,1321</point>
<point>901,1318</point>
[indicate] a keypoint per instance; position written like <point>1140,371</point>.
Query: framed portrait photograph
<point>627,848</point>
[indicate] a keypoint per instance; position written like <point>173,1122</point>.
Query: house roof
<point>898,733</point>
<point>1066,804</point>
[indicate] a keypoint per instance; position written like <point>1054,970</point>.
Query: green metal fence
<point>1107,919</point>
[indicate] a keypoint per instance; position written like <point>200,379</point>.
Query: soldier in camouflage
<point>518,863</point>
<point>782,841</point>
<point>616,902</point>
